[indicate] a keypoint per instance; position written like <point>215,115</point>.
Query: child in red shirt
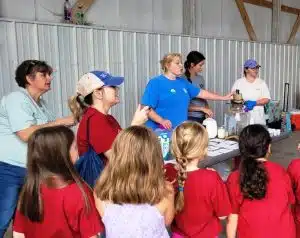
<point>202,198</point>
<point>54,201</point>
<point>294,172</point>
<point>260,191</point>
<point>97,92</point>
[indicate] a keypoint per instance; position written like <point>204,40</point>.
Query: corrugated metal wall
<point>74,50</point>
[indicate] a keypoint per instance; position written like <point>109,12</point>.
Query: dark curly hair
<point>194,57</point>
<point>30,67</point>
<point>254,143</point>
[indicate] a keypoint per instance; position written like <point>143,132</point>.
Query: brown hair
<point>48,155</point>
<point>79,104</point>
<point>30,67</point>
<point>134,173</point>
<point>167,59</point>
<point>189,142</point>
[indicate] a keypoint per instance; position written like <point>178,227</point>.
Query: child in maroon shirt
<point>54,201</point>
<point>202,198</point>
<point>260,191</point>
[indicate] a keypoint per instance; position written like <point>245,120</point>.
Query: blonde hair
<point>189,142</point>
<point>167,59</point>
<point>79,104</point>
<point>134,173</point>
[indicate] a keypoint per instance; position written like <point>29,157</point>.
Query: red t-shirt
<point>64,215</point>
<point>268,217</point>
<point>103,131</point>
<point>294,172</point>
<point>205,199</point>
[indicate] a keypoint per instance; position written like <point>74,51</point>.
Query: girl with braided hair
<point>260,191</point>
<point>202,198</point>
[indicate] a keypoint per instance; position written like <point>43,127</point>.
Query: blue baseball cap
<point>251,63</point>
<point>96,79</point>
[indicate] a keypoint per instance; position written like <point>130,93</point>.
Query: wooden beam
<point>269,4</point>
<point>189,17</point>
<point>261,3</point>
<point>294,30</point>
<point>291,10</point>
<point>276,21</point>
<point>246,20</point>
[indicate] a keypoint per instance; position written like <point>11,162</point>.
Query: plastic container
<point>164,137</point>
<point>221,132</point>
<point>67,11</point>
<point>295,120</point>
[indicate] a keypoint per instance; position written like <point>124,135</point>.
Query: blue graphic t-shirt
<point>170,99</point>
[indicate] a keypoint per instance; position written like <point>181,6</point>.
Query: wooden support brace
<point>261,3</point>
<point>246,20</point>
<point>294,30</point>
<point>269,4</point>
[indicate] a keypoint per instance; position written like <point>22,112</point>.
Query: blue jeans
<point>11,181</point>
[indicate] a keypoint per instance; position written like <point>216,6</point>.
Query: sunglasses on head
<point>30,65</point>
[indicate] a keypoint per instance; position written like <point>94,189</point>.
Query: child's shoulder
<point>73,194</point>
<point>205,174</point>
<point>294,166</point>
<point>272,166</point>
<point>295,163</point>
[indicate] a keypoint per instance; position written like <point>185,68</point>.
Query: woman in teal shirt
<point>21,113</point>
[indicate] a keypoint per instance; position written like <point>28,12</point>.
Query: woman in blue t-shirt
<point>168,95</point>
<point>199,108</point>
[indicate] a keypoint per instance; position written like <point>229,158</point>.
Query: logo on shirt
<point>173,90</point>
<point>184,90</point>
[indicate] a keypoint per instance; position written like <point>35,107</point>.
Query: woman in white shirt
<point>254,90</point>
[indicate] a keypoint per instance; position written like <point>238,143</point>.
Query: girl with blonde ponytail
<point>202,198</point>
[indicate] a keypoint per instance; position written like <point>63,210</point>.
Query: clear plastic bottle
<point>67,11</point>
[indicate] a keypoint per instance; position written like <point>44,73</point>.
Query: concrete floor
<point>283,152</point>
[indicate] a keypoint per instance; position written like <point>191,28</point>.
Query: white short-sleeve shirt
<point>253,91</point>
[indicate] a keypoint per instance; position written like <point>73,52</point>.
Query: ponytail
<point>78,105</point>
<point>187,73</point>
<point>181,177</point>
<point>253,179</point>
<point>254,144</point>
<point>189,141</point>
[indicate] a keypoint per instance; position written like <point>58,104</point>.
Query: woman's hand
<point>140,116</point>
<point>228,96</point>
<point>166,124</point>
<point>208,112</point>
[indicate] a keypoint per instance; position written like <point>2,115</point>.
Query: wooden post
<point>189,17</point>
<point>246,20</point>
<point>276,20</point>
<point>294,31</point>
